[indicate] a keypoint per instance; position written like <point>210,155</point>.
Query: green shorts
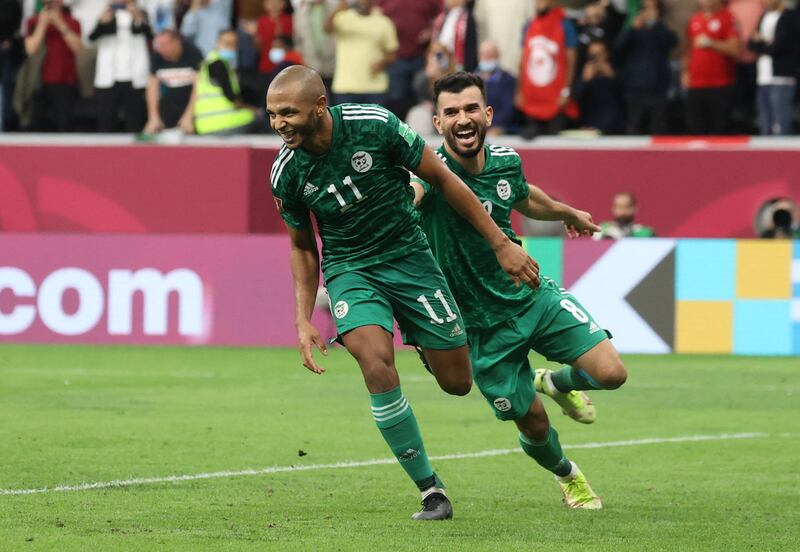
<point>411,290</point>
<point>555,326</point>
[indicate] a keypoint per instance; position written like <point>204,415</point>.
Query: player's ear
<point>321,105</point>
<point>489,115</point>
<point>437,123</point>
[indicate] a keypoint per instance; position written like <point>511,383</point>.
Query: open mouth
<point>289,136</point>
<point>466,137</point>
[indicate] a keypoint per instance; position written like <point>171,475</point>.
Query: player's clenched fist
<point>307,337</point>
<point>518,264</point>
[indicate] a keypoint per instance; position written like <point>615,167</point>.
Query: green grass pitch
<point>74,415</point>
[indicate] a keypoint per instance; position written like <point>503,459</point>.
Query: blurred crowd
<point>551,66</point>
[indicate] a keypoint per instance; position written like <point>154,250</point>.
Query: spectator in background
<point>455,28</point>
<point>600,21</point>
<point>366,45</point>
<point>123,65</point>
<point>173,71</point>
<point>439,62</point>
<point>599,92</point>
<point>313,43</point>
<point>778,42</point>
<point>283,54</point>
<point>218,105</point>
<point>160,14</point>
<point>60,34</point>
<point>502,22</point>
<point>204,21</point>
<point>275,22</point>
<point>412,20</point>
<point>709,68</point>
<point>547,70</point>
<point>643,54</point>
<point>10,59</point>
<point>500,87</point>
<point>624,225</point>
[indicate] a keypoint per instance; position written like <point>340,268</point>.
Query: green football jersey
<point>482,289</point>
<point>358,190</point>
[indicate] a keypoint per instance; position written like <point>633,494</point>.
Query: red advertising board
<point>224,189</point>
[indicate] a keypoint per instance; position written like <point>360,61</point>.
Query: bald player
<point>348,164</point>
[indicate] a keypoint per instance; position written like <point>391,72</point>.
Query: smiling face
<point>293,114</point>
<point>462,118</point>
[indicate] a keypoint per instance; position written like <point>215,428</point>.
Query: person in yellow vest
<point>218,107</point>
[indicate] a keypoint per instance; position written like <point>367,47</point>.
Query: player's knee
<point>456,386</point>
<point>613,374</point>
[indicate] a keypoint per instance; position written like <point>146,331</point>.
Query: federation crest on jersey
<point>340,309</point>
<point>503,189</point>
<point>502,404</point>
<point>361,161</point>
<point>714,25</point>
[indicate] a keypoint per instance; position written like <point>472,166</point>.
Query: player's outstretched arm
<point>304,261</point>
<point>513,258</point>
<point>540,206</point>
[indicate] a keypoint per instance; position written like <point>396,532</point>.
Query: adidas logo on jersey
<point>309,189</point>
<point>593,328</point>
<point>456,331</point>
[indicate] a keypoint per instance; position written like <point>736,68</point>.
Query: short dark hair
<point>629,195</point>
<point>455,83</point>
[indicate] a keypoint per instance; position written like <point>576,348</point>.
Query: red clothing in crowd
<point>268,29</point>
<point>59,65</point>
<point>543,70</point>
<point>707,67</point>
<point>410,17</point>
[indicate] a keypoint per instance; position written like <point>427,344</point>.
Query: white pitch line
<point>374,462</point>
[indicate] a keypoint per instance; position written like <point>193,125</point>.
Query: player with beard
<point>504,323</point>
<point>349,166</point>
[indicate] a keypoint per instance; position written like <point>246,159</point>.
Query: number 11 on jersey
<point>435,318</point>
<point>356,192</point>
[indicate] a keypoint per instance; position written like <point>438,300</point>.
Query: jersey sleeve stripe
<point>281,167</point>
<point>281,154</point>
<point>364,117</point>
<point>354,110</point>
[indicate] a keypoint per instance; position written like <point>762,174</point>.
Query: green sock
<point>396,421</point>
<point>547,453</point>
<point>570,378</point>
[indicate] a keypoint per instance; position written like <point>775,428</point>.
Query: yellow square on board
<point>704,327</point>
<point>764,269</point>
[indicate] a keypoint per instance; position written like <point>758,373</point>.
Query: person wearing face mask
<point>218,107</point>
<point>282,54</point>
<point>500,86</point>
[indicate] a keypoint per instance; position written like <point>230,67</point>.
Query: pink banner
<point>209,290</point>
<point>135,189</point>
<point>681,193</point>
<point>224,189</point>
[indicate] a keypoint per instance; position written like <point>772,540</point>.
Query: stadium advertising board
<point>654,295</point>
<point>223,189</point>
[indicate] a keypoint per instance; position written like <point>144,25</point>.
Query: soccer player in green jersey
<point>348,165</point>
<point>505,322</point>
